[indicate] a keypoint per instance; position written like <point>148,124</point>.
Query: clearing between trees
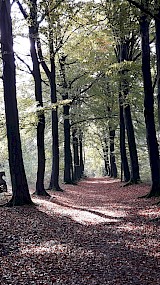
<point>96,232</point>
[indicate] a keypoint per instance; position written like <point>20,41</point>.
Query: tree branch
<point>26,64</point>
<point>143,9</point>
<point>88,119</point>
<point>24,13</point>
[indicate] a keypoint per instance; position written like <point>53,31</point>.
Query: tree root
<point>154,192</point>
<point>132,182</point>
<point>56,189</point>
<point>13,203</point>
<point>44,194</point>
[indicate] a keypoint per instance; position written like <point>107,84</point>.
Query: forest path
<point>94,233</point>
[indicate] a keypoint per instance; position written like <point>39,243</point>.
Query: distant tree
<point>76,162</point>
<point>20,189</point>
<point>112,155</point>
<point>106,156</point>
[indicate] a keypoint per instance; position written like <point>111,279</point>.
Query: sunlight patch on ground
<point>102,181</point>
<point>82,216</point>
<point>151,213</point>
<point>129,227</point>
<point>112,213</point>
<point>48,248</point>
<point>51,246</point>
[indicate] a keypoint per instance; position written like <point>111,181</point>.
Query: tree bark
<point>157,28</point>
<point>51,74</point>
<point>66,113</point>
<point>149,109</point>
<point>112,155</point>
<point>81,154</point>
<point>33,32</point>
<point>106,158</point>
<point>75,155</point>
<point>54,181</point>
<point>20,189</point>
<point>134,175</point>
<point>67,145</point>
<point>124,160</point>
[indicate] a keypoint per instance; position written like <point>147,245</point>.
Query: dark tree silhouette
<point>67,127</point>
<point>33,31</point>
<point>51,74</point>
<point>20,189</point>
<point>149,108</point>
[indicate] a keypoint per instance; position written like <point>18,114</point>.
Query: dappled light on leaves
<point>81,215</point>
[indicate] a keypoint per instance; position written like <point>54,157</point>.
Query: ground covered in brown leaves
<point>94,233</point>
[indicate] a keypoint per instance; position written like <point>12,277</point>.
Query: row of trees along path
<point>126,51</point>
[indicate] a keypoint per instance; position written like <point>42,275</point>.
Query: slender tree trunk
<point>20,189</point>
<point>33,31</point>
<point>51,74</point>
<point>54,182</point>
<point>124,160</point>
<point>112,155</point>
<point>67,145</point>
<point>106,158</point>
<point>81,155</point>
<point>75,155</point>
<point>149,109</point>
<point>135,176</point>
<point>66,113</point>
<point>72,170</point>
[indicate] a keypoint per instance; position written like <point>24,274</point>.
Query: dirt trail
<point>94,233</point>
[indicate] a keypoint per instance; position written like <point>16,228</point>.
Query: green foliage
<point>89,34</point>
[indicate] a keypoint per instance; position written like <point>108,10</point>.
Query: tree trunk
<point>20,189</point>
<point>112,155</point>
<point>149,109</point>
<point>124,160</point>
<point>51,74</point>
<point>157,27</point>
<point>75,155</point>
<point>54,181</point>
<point>135,176</point>
<point>106,158</point>
<point>67,145</point>
<point>33,31</point>
<point>66,113</point>
<point>81,155</point>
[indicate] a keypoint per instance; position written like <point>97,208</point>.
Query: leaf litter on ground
<point>96,232</point>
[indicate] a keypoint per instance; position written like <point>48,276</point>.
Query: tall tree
<point>33,32</point>
<point>66,113</point>
<point>51,75</point>
<point>149,106</point>
<point>157,29</point>
<point>124,31</point>
<point>20,189</point>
